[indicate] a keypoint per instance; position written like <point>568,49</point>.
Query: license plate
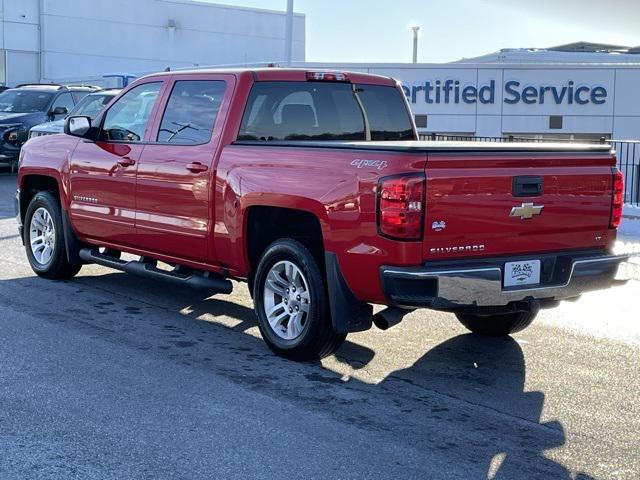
<point>521,273</point>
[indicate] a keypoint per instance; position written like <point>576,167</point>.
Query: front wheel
<point>291,303</point>
<point>498,325</point>
<point>44,238</point>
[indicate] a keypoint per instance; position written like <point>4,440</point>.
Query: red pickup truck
<point>314,189</point>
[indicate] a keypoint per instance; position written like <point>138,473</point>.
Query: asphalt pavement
<point>108,376</point>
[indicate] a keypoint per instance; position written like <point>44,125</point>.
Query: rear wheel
<point>291,303</point>
<point>498,325</point>
<point>44,238</point>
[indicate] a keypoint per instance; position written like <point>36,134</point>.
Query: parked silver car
<point>89,106</point>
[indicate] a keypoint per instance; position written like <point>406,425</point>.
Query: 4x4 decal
<point>361,163</point>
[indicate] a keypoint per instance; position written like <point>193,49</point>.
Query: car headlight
<point>14,134</point>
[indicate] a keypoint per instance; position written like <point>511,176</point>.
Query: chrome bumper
<point>448,288</point>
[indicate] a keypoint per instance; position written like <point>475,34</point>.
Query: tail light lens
<point>617,201</point>
<point>401,206</point>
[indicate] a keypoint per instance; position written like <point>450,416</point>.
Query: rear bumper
<point>458,285</point>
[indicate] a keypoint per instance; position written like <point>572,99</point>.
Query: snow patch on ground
<point>610,314</point>
<point>631,210</point>
<point>629,236</point>
<point>628,243</point>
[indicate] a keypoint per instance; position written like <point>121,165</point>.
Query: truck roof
<point>282,74</point>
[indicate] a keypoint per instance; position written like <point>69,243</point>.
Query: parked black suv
<point>27,105</point>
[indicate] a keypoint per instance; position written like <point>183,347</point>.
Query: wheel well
<point>267,224</point>
<point>32,184</point>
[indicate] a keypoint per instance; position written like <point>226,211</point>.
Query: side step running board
<point>147,268</point>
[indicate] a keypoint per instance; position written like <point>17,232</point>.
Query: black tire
<point>317,339</point>
<point>497,325</point>
<point>57,267</point>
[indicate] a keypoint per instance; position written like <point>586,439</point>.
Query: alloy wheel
<point>42,236</point>
<point>286,300</point>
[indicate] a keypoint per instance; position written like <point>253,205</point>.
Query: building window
<point>421,121</point>
<point>555,122</point>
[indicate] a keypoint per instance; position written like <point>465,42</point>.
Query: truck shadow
<point>486,376</point>
<point>462,401</point>
<point>8,182</point>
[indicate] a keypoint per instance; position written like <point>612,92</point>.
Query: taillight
<point>401,206</point>
<point>327,77</point>
<point>617,202</point>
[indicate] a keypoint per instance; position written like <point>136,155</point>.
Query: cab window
<point>294,111</point>
<point>191,112</point>
<point>127,119</point>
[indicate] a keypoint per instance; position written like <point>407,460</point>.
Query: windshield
<point>92,104</point>
<point>23,101</point>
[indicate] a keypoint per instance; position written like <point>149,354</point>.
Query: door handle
<point>126,162</point>
<point>197,167</point>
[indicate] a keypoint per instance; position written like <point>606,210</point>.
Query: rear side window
<point>324,111</point>
<point>63,100</point>
<point>388,116</point>
<point>191,112</point>
<point>80,94</point>
<point>93,104</point>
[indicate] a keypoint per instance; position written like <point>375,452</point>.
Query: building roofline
<point>469,65</point>
<point>232,7</point>
<point>588,47</point>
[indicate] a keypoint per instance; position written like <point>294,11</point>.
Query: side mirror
<point>59,111</point>
<point>77,126</point>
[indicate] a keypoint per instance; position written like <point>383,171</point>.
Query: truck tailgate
<point>490,204</point>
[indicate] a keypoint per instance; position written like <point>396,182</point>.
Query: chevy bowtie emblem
<point>526,211</point>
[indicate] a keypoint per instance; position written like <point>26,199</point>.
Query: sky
<point>379,30</point>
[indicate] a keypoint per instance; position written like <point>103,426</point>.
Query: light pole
<point>288,34</point>
<point>416,30</point>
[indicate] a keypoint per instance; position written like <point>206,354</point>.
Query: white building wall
<point>488,125</point>
<point>617,115</point>
<point>19,38</point>
<point>22,67</point>
<point>627,91</point>
<point>82,39</point>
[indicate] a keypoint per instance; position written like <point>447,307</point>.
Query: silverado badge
<point>526,211</point>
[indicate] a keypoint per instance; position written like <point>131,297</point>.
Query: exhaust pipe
<point>390,316</point>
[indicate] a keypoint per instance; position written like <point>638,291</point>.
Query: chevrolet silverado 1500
<point>314,189</point>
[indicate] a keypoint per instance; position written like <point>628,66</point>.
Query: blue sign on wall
<point>452,92</point>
